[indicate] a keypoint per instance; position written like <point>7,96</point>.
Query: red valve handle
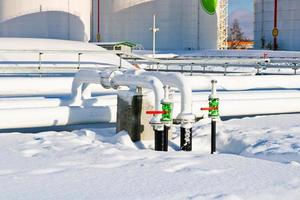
<point>211,108</point>
<point>155,112</point>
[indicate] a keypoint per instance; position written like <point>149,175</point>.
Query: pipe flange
<point>186,118</point>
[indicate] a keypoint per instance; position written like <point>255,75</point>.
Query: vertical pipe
<point>154,35</point>
<point>185,138</point>
<point>136,129</point>
<point>262,24</point>
<point>69,21</point>
<point>198,25</point>
<point>213,135</point>
<point>98,22</point>
<point>275,23</point>
<point>161,140</point>
<point>166,138</point>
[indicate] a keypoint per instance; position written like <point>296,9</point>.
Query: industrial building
<point>277,24</point>
<point>183,25</point>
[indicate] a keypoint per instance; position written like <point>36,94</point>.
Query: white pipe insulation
<point>61,86</point>
<point>245,82</point>
<point>54,116</point>
<point>179,81</point>
<point>42,86</point>
<point>141,81</point>
<point>40,102</point>
<point>81,81</point>
<point>68,111</point>
<point>111,100</point>
<point>246,107</point>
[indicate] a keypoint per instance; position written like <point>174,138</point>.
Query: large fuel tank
<point>58,19</point>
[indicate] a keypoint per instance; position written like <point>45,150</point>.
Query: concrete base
<point>131,116</point>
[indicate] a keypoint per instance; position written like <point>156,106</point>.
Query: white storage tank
<point>288,24</point>
<point>183,24</point>
<point>59,19</point>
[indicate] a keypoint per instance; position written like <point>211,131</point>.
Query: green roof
<point>130,44</point>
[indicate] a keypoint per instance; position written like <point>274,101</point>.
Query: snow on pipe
<point>179,81</point>
<point>58,86</point>
<point>55,116</point>
<point>245,82</point>
<point>42,86</point>
<point>80,85</point>
<point>39,117</point>
<point>186,117</point>
<point>110,100</point>
<point>144,82</point>
<point>62,115</point>
<point>247,107</point>
<point>41,102</point>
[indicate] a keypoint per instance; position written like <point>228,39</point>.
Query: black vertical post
<point>166,138</point>
<point>186,139</point>
<point>136,127</point>
<point>161,140</point>
<point>158,140</point>
<point>213,135</point>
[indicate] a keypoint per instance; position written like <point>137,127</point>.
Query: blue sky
<point>243,11</point>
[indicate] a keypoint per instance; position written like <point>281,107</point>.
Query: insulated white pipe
<point>40,102</point>
<point>179,81</point>
<point>42,86</point>
<point>149,82</point>
<point>245,82</point>
<point>256,107</point>
<point>111,100</point>
<point>81,82</point>
<point>246,107</point>
<point>57,116</point>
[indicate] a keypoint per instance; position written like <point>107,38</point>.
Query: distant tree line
<point>236,38</point>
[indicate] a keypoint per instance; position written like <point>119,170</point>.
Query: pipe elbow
<point>80,83</point>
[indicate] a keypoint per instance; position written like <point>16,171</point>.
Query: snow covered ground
<point>259,158</point>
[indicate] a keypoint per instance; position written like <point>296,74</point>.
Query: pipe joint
<point>107,79</point>
<point>80,84</point>
<point>186,118</point>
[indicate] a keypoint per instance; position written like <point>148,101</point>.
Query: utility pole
<point>98,36</point>
<point>275,29</point>
<point>154,29</point>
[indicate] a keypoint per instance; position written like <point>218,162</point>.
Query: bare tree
<point>236,35</point>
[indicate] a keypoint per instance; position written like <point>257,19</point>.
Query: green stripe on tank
<point>210,6</point>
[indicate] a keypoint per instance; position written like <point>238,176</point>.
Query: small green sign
<point>210,6</point>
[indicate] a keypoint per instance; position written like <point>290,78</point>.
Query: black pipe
<point>213,135</point>
<point>166,138</point>
<point>161,139</point>
<point>185,139</point>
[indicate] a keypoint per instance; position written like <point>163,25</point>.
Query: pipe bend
<point>149,82</point>
<point>80,84</point>
<point>175,80</point>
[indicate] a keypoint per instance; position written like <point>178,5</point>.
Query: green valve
<point>214,103</point>
<point>168,108</point>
